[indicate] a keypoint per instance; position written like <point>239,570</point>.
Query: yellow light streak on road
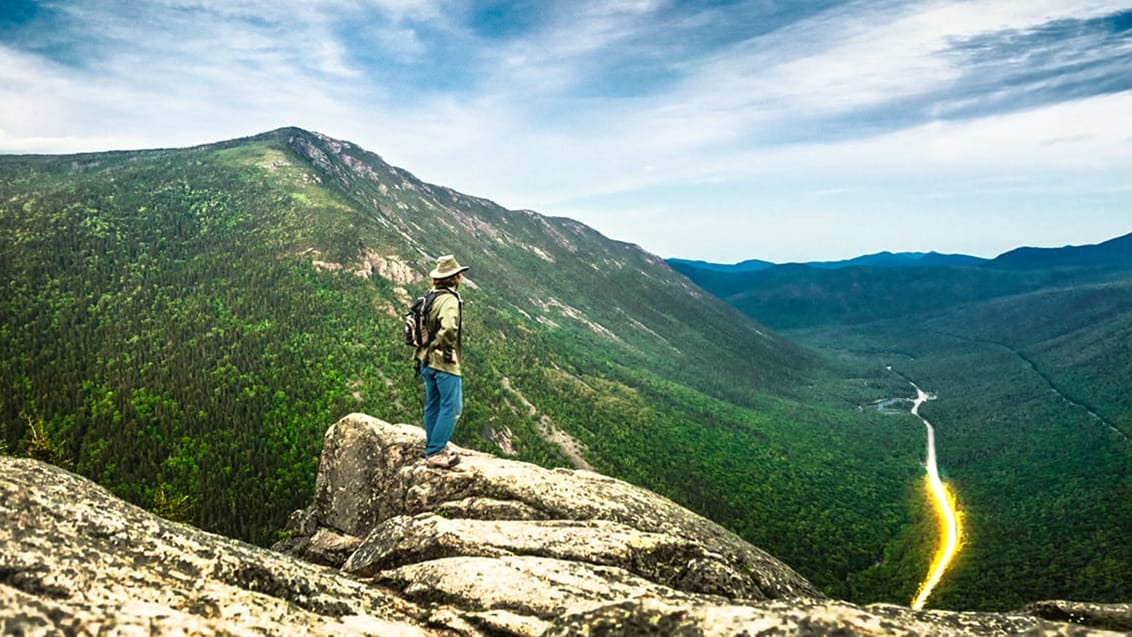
<point>950,520</point>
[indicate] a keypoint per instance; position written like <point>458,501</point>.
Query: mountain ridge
<point>1114,250</point>
<point>181,325</point>
<point>877,259</point>
<point>875,287</point>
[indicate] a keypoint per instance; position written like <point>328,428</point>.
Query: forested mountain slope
<point>184,324</point>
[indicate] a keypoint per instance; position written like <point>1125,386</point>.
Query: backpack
<point>418,330</point>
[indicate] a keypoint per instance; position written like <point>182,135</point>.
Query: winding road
<point>945,510</point>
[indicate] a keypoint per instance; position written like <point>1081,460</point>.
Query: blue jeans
<point>444,402</point>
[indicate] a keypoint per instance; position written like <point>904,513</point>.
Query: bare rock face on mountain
<point>492,547</point>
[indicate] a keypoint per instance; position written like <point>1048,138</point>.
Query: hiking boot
<point>441,460</point>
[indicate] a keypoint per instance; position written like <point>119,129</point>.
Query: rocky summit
<point>390,546</point>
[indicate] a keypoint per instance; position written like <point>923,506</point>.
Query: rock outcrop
<point>392,547</point>
<point>75,560</point>
<point>404,515</point>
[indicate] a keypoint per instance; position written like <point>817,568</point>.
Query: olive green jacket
<point>445,316</point>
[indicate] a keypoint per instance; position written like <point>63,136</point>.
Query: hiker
<point>439,362</point>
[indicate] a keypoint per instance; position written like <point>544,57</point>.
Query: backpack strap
<point>427,311</point>
<point>459,323</point>
<point>459,318</point>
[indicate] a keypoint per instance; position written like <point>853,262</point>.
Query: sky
<point>716,130</point>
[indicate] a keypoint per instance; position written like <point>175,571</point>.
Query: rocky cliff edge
<point>392,547</point>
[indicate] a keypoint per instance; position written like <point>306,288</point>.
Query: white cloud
<point>29,90</point>
<point>162,77</point>
<point>923,188</point>
<point>858,55</point>
<point>182,72</point>
<point>1097,128</point>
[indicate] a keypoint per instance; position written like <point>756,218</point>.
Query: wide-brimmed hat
<point>446,266</point>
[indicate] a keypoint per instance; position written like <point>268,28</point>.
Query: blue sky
<point>717,130</point>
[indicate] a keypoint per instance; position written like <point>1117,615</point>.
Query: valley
<point>1044,485</point>
<point>1034,417</point>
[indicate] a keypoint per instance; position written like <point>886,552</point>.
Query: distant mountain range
<point>880,259</point>
<point>1115,252</point>
<point>887,285</point>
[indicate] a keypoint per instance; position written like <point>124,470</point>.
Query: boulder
<point>673,561</point>
<point>1107,616</point>
<point>76,560</point>
<point>373,484</point>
